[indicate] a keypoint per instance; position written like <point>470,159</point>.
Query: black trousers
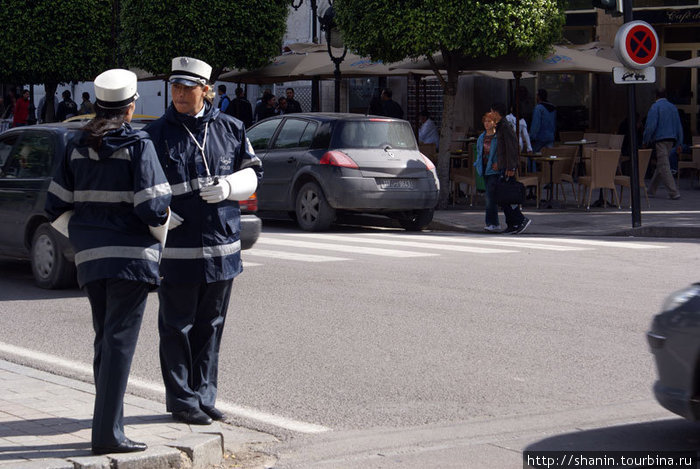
<point>117,311</point>
<point>191,322</point>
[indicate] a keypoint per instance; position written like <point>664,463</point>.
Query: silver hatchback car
<point>318,165</point>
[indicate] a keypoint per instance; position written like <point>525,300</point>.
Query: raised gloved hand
<point>175,220</point>
<point>216,192</point>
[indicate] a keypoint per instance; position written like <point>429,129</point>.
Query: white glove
<point>242,184</point>
<point>216,192</point>
<point>175,220</point>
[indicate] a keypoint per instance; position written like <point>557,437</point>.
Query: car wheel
<point>417,219</point>
<point>50,267</point>
<point>312,209</point>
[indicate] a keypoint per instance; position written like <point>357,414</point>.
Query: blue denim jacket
<point>663,122</point>
<point>492,158</point>
<point>544,123</point>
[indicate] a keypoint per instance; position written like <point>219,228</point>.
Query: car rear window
<point>374,133</point>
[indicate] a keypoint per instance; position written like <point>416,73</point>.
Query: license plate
<point>395,183</point>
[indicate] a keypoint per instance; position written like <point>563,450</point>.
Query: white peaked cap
<point>190,72</point>
<point>115,88</point>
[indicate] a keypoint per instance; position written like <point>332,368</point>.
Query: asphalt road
<point>363,329</point>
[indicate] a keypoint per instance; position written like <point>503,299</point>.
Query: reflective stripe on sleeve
<point>104,196</point>
<point>202,252</point>
<point>121,154</point>
<point>61,192</point>
<point>255,161</point>
<point>121,252</point>
<point>151,193</point>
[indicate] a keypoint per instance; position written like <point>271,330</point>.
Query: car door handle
<point>291,159</point>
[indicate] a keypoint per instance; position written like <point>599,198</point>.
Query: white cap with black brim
<point>115,88</point>
<point>190,72</point>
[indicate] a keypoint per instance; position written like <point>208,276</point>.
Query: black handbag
<point>509,191</point>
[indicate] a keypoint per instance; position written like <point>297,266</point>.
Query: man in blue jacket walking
<point>544,123</point>
<point>663,130</point>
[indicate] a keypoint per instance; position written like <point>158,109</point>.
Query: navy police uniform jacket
<point>115,194</point>
<point>206,246</point>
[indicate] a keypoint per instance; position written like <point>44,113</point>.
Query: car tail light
<point>376,119</point>
<point>429,164</point>
<point>250,204</point>
<point>338,158</point>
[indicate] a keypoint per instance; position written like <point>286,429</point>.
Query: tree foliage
<point>458,29</point>
<point>45,41</point>
<point>392,31</point>
<point>223,33</point>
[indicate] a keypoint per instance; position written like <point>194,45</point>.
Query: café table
<point>465,141</point>
<point>551,160</point>
<point>581,169</point>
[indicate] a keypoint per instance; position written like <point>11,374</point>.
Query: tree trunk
<point>50,89</point>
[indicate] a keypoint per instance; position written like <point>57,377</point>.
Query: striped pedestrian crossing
<point>316,247</point>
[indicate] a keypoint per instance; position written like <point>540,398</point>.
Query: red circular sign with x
<point>637,44</point>
<point>641,44</point>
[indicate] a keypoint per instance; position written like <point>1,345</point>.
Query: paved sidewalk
<point>664,218</point>
<point>45,423</point>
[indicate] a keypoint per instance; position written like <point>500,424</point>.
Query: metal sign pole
<point>632,118</point>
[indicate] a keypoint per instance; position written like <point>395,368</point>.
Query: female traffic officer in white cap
<point>210,166</point>
<point>110,188</point>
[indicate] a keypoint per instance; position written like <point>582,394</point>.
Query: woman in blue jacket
<point>210,166</point>
<point>487,166</point>
<point>108,190</point>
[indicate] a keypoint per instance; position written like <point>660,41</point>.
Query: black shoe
<point>126,446</point>
<point>510,229</point>
<point>214,413</point>
<point>192,416</point>
<point>522,226</point>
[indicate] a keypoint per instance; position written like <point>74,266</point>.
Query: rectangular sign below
<point>630,76</point>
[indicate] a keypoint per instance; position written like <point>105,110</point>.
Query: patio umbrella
<point>607,51</point>
<point>690,63</point>
<point>561,60</point>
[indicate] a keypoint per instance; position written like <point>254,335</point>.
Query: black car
<point>319,164</point>
<point>674,339</point>
<point>28,157</point>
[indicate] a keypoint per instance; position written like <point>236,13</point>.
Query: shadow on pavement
<point>55,426</point>
<point>17,283</point>
<point>663,435</point>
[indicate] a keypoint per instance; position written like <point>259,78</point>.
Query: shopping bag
<point>509,191</point>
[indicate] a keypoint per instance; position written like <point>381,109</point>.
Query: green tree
<point>223,33</point>
<point>50,42</point>
<point>459,29</point>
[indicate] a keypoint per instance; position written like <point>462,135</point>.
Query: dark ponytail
<point>105,121</point>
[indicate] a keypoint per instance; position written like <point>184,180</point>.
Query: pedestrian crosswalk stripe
<point>293,256</point>
<point>596,242</point>
<point>341,247</point>
<point>399,244</point>
<point>250,264</point>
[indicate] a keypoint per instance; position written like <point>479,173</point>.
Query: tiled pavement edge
<point>45,422</point>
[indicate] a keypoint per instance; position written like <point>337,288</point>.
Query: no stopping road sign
<point>637,44</point>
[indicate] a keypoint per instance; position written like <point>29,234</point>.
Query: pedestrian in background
<point>111,182</point>
<point>507,165</point>
<point>210,165</point>
<point>66,108</point>
<point>86,107</point>
<point>293,105</point>
<point>282,106</point>
<point>267,107</point>
<point>544,123</point>
<point>486,165</point>
<point>240,108</point>
<point>663,130</point>
<point>390,108</point>
<point>428,131</point>
<point>21,112</point>
<point>224,100</point>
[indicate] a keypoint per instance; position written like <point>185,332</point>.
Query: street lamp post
<point>329,27</point>
<point>314,9</point>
